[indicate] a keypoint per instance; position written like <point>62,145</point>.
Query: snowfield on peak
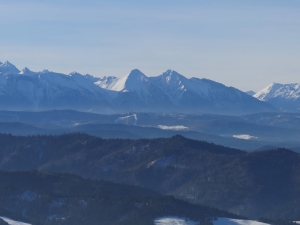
<point>178,127</point>
<point>174,221</point>
<point>288,91</point>
<point>228,221</point>
<point>283,96</point>
<point>134,81</point>
<point>106,82</point>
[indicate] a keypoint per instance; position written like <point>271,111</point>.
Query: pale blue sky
<point>246,44</point>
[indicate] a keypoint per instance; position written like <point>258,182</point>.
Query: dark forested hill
<point>62,199</point>
<point>257,184</point>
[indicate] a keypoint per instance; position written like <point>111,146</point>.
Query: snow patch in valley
<point>162,162</point>
<point>178,127</point>
<point>170,220</point>
<point>244,136</point>
<point>127,119</point>
<point>13,222</point>
<point>228,221</point>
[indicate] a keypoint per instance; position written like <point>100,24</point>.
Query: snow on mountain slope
<point>173,220</point>
<point>135,92</point>
<point>203,95</point>
<point>283,96</point>
<point>51,85</point>
<point>13,222</point>
<point>134,81</point>
<point>106,82</point>
<point>170,220</point>
<point>177,127</point>
<point>80,81</point>
<point>274,90</point>
<point>175,85</point>
<point>228,221</point>
<point>27,90</point>
<point>27,72</point>
<point>169,92</point>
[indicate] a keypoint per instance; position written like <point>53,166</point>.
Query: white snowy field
<point>178,127</point>
<point>13,222</point>
<point>173,220</point>
<point>228,221</point>
<point>244,136</point>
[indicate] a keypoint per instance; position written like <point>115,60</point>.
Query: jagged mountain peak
<point>170,79</point>
<point>7,63</point>
<point>176,84</point>
<point>274,85</point>
<point>134,81</point>
<point>46,71</point>
<point>269,90</point>
<point>136,74</point>
<point>74,73</point>
<point>8,68</point>
<point>172,75</point>
<point>26,71</point>
<point>283,96</point>
<point>276,90</point>
<point>169,92</point>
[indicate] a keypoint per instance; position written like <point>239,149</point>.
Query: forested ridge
<point>52,198</point>
<point>256,184</point>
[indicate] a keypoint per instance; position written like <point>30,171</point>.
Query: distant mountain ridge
<point>286,97</point>
<point>169,92</point>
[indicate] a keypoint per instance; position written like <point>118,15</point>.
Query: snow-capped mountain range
<point>168,92</point>
<point>285,97</point>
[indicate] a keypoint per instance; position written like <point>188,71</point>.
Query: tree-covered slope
<point>257,184</point>
<point>51,198</point>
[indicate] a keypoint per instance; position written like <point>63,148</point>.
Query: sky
<point>245,44</point>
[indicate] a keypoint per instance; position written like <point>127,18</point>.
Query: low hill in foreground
<point>62,199</point>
